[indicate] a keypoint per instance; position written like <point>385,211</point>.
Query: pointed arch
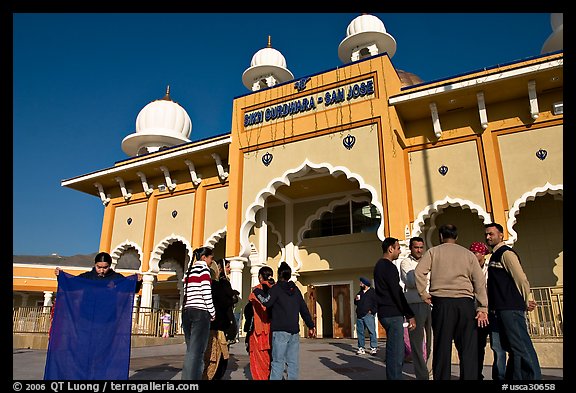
<point>215,237</point>
<point>156,254</point>
<point>437,206</point>
<point>285,180</point>
<point>120,248</point>
<point>556,190</point>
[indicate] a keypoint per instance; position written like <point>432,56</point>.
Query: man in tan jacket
<point>456,280</point>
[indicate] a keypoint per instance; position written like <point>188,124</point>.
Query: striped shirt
<point>198,288</point>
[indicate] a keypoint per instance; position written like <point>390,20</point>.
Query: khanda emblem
<point>301,84</point>
<point>349,141</point>
<point>267,159</point>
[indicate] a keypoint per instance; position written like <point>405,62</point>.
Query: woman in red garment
<point>260,337</point>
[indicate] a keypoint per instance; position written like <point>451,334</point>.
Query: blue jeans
<point>196,326</point>
<point>285,352</point>
<point>366,322</point>
<point>394,346</point>
<point>499,365</point>
<point>515,339</point>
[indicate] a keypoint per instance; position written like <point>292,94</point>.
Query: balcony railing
<point>546,321</point>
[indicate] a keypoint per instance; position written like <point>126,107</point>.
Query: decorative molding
<point>215,237</point>
<point>222,173</point>
<point>169,183</point>
<point>437,206</point>
<point>127,195</point>
<point>556,190</point>
<point>435,120</point>
<point>156,254</point>
<point>119,250</point>
<point>285,180</point>
<point>148,189</point>
<point>103,197</point>
<point>533,99</point>
<point>482,109</point>
<point>196,180</point>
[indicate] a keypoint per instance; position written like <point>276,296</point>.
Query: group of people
<point>451,295</point>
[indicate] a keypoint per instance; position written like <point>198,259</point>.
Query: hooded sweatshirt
<point>285,304</point>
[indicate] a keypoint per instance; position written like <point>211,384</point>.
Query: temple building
<point>317,170</point>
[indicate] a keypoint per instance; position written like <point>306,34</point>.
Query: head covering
<point>365,281</point>
<point>479,248</point>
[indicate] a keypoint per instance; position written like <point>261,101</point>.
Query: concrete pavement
<point>320,359</point>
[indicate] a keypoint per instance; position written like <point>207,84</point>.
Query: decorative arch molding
<point>553,189</point>
<point>438,206</point>
<point>324,209</point>
<point>285,180</point>
<point>120,248</point>
<point>275,232</point>
<point>214,238</point>
<point>158,251</point>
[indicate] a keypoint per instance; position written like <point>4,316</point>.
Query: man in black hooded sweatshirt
<point>285,304</point>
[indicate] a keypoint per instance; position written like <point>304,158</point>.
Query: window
<point>352,217</point>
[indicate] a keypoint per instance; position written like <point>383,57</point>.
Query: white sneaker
<point>373,351</point>
<point>360,351</point>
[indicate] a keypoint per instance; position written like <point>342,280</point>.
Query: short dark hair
<point>284,271</point>
<point>415,239</point>
<point>388,242</point>
<point>103,257</point>
<point>266,272</point>
<point>495,225</point>
<point>448,231</point>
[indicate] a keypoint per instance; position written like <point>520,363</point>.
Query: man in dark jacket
<point>366,307</point>
<point>392,307</point>
<point>285,303</point>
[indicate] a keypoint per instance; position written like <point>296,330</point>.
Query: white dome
<point>162,123</point>
<point>555,41</point>
<point>268,63</point>
<point>365,23</point>
<point>364,31</point>
<point>165,116</point>
<point>268,56</point>
<point>556,20</point>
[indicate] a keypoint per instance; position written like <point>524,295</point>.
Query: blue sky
<point>80,80</point>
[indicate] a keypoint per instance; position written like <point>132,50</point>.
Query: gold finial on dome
<point>269,41</point>
<point>167,96</point>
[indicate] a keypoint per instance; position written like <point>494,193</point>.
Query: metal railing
<point>546,321</point>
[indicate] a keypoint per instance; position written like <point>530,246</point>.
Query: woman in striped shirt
<point>197,313</point>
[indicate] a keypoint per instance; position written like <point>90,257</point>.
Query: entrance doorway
<point>330,307</point>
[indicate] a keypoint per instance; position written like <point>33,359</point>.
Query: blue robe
<point>91,329</point>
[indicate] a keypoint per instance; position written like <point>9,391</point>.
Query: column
<point>236,267</point>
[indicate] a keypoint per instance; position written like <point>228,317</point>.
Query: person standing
<point>91,327</point>
<point>259,336</point>
<point>287,304</point>
<point>392,307</point>
<point>366,308</point>
<point>455,281</point>
<point>509,299</point>
<point>237,310</point>
<point>421,337</point>
<point>166,321</point>
<point>480,250</point>
<point>197,312</point>
<point>217,354</point>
